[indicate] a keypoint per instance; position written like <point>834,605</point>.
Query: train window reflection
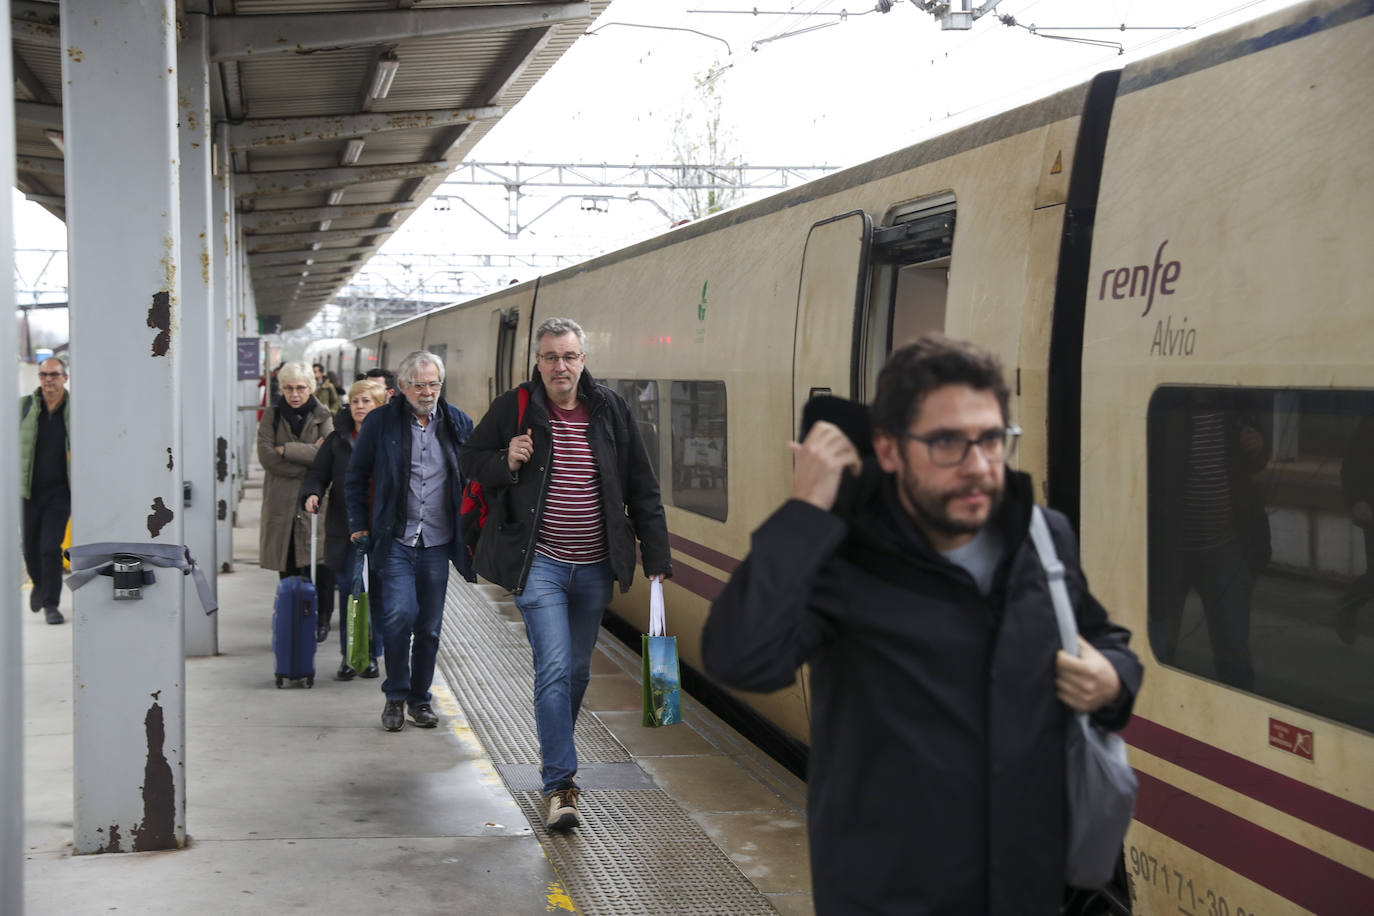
<point>700,466</point>
<point>1261,543</point>
<point>642,396</point>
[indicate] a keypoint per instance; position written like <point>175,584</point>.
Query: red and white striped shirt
<point>571,528</point>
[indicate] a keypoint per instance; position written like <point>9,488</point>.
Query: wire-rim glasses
<point>553,359</point>
<point>949,450</point>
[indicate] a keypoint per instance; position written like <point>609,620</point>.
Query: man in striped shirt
<point>569,490</point>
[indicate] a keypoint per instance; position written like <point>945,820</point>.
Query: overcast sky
<point>798,87</point>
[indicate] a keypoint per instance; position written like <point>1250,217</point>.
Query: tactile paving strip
<point>637,851</point>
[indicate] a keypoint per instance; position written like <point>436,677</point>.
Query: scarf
<point>295,417</point>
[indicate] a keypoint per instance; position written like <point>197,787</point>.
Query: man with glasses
<point>561,486</point>
<point>901,569</point>
<point>402,490</point>
<point>45,483</point>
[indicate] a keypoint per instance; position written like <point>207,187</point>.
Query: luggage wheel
<point>310,682</point>
<point>279,680</point>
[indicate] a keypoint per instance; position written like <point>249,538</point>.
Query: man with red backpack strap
<point>559,485</point>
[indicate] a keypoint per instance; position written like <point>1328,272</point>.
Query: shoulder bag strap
<point>1054,572</point>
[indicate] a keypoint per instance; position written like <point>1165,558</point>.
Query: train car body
<point>1184,238</point>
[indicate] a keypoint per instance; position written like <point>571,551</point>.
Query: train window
<point>642,396</point>
<point>700,466</point>
<point>910,283</point>
<point>441,350</point>
<point>1261,543</point>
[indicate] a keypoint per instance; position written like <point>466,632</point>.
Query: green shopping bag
<point>661,678</point>
<point>359,618</point>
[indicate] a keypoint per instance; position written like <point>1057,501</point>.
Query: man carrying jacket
<point>406,458</point>
<point>45,483</point>
<point>940,695</point>
<point>568,492</point>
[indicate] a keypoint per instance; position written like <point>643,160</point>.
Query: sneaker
<point>35,600</point>
<point>394,715</point>
<point>563,808</point>
<point>53,615</point>
<point>423,716</point>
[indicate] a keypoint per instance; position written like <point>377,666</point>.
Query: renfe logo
<point>1142,280</point>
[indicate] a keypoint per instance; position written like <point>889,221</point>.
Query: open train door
<point>830,304</point>
<point>504,323</point>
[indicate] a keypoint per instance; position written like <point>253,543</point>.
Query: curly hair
<point>930,362</point>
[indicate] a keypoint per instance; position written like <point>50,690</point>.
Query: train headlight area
<point>298,798</point>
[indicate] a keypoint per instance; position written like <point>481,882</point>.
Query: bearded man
<point>939,692</point>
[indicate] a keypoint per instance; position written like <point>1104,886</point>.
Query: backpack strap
<point>522,400</point>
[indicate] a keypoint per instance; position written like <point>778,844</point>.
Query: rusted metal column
<point>197,312</point>
<point>11,649</point>
<point>225,337</point>
<point>124,249</point>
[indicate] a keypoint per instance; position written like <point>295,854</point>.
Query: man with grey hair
<point>45,483</point>
<point>403,490</point>
<point>563,484</point>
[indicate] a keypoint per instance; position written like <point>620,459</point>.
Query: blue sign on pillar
<point>249,354</point>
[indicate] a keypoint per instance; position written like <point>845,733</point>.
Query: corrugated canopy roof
<point>344,115</point>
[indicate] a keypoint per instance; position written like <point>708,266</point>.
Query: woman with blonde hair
<point>289,435</point>
<point>331,464</point>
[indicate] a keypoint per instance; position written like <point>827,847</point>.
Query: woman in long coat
<point>289,435</point>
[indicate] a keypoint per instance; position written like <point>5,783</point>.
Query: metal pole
<point>129,669</point>
<point>11,635</point>
<point>197,339</point>
<point>226,352</point>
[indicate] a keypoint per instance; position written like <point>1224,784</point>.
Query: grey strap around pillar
<point>91,560</point>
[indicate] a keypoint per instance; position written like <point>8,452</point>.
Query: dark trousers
<point>45,522</point>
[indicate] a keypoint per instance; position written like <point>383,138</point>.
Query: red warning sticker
<point>1290,738</point>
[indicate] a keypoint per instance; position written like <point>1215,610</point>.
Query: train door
<point>502,378</point>
<point>910,283</point>
<point>830,301</point>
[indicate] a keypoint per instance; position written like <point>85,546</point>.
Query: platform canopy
<point>341,116</point>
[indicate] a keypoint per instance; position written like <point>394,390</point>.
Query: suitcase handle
<point>314,525</point>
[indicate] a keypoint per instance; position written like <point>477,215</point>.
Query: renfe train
<point>1184,242</point>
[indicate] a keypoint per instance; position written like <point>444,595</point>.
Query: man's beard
<point>931,509</point>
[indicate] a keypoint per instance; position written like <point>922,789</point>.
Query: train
<point>1188,236</point>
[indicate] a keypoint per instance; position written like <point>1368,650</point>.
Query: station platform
<point>297,799</point>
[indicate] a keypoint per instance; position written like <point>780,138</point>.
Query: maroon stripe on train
<point>1294,872</point>
<point>696,581</point>
<point>1330,812</point>
<point>706,554</point>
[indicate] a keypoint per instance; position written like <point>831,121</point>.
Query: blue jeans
<point>374,605</point>
<point>562,605</point>
<point>414,582</point>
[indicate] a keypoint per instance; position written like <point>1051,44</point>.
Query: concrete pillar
<point>247,316</point>
<point>197,340</point>
<point>11,647</point>
<point>124,248</point>
<point>226,354</point>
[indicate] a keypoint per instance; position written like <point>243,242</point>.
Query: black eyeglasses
<point>51,374</point>
<point>948,450</point>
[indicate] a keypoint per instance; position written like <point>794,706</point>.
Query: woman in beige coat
<point>289,435</point>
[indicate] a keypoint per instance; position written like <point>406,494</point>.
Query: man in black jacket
<point>940,696</point>
<point>403,491</point>
<point>568,491</point>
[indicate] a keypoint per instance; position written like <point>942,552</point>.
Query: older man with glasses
<point>403,491</point>
<point>45,483</point>
<point>903,571</point>
<point>563,484</point>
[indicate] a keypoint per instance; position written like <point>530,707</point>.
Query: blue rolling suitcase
<point>293,623</point>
